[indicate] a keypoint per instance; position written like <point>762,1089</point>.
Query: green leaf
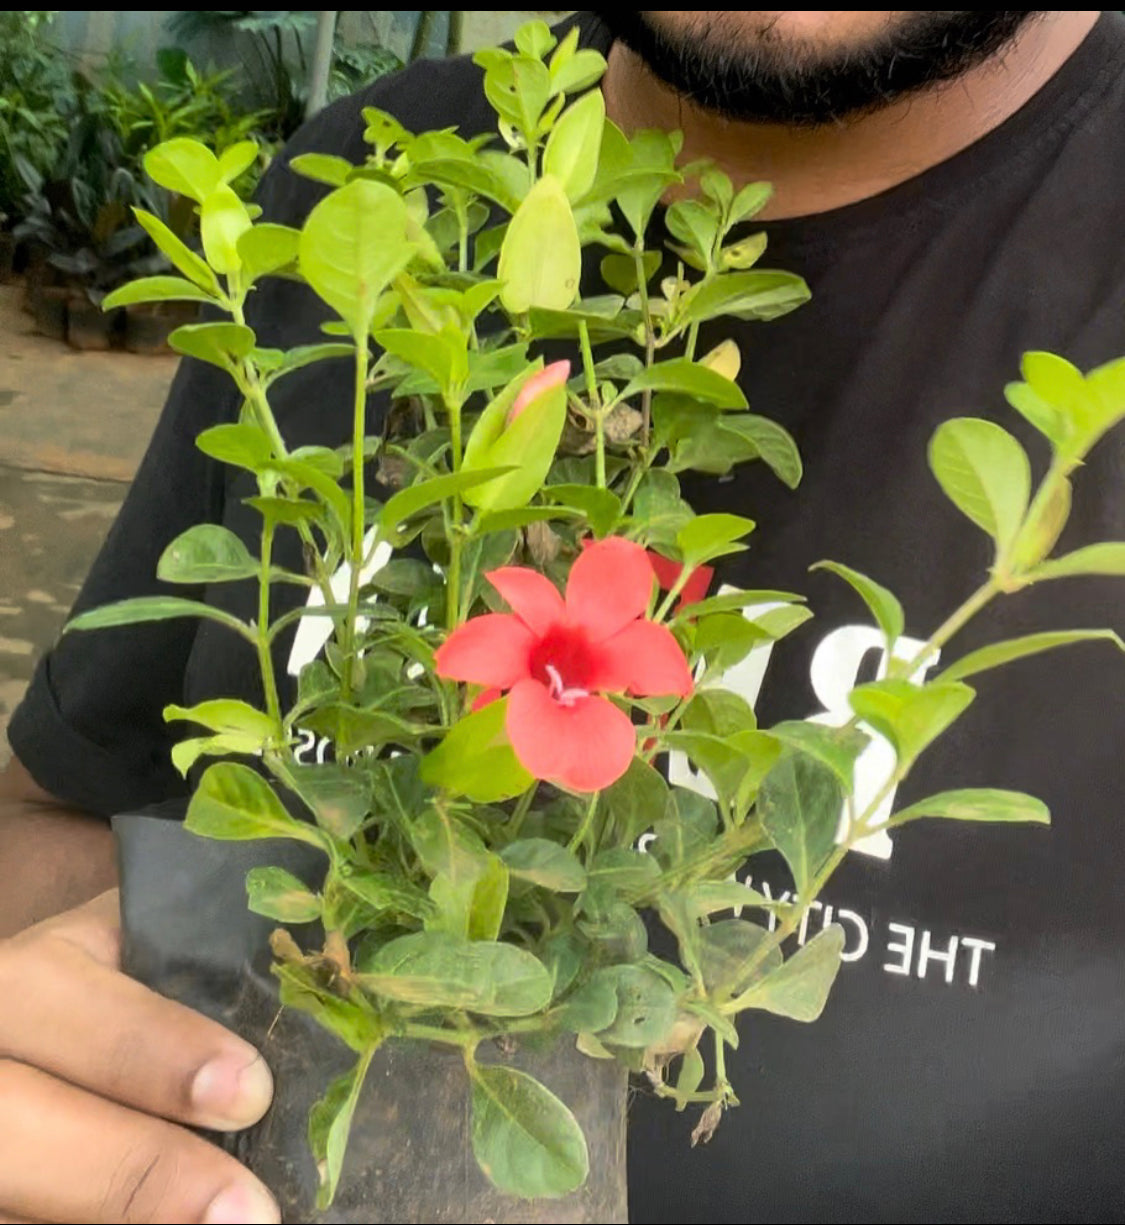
<point>634,802</point>
<point>883,604</point>
<point>623,871</point>
<point>541,257</point>
<point>337,795</point>
<point>731,956</point>
<point>154,608</point>
<point>718,712</point>
<point>524,1139</point>
<point>743,254</point>
<point>646,1006</point>
<point>976,804</point>
<point>182,257</point>
<point>709,536</point>
<point>985,473</point>
<point>206,553</point>
<point>546,864</point>
<point>799,808</point>
<point>690,378</point>
<point>690,1076</point>
<point>772,443</point>
<point>579,72</point>
<point>695,225</point>
<point>243,444</point>
<point>382,891</point>
<point>689,824</point>
<point>352,246</point>
<point>620,274</point>
<point>410,501</point>
<point>535,38</point>
<point>278,894</point>
<point>476,759</point>
<point>435,970</point>
<point>834,747</point>
<point>267,248</point>
<point>236,159</point>
<point>1106,558</point>
<point>185,753</point>
<point>997,653</point>
<point>799,988</point>
<point>323,168</point>
<point>910,716</point>
<point>757,294</point>
<point>600,507</point>
<point>447,846</point>
<point>489,898</point>
<point>185,166</point>
<point>572,149</point>
<point>235,803</point>
<point>223,219</point>
<point>156,289</point>
<point>709,896</point>
<point>226,715</point>
<point>749,200</point>
<point>330,1125</point>
<point>221,344</point>
<point>591,1008</point>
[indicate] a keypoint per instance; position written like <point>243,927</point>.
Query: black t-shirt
<point>970,1064</point>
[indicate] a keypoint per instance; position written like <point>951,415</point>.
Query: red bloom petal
<point>554,375</point>
<point>531,596</point>
<point>485,698</point>
<point>668,571</point>
<point>491,650</point>
<point>582,747</point>
<point>645,659</point>
<point>610,584</point>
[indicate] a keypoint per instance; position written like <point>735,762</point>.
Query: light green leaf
<point>799,807</point>
<point>330,1125</point>
<point>540,257</point>
<point>708,536</point>
<point>476,758</point>
<point>579,72</point>
<point>221,344</point>
<point>223,219</point>
<point>976,804</point>
<point>731,956</point>
<point>690,378</point>
<point>225,715</point>
<point>185,166</point>
<point>835,747</point>
<point>546,864</point>
<point>278,894</point>
<point>883,604</point>
<point>154,608</point>
<point>206,553</point>
<point>757,294</point>
<point>799,988</point>
<point>749,200</point>
<point>1106,558</point>
<point>985,473</point>
<point>600,507</point>
<point>772,443</point>
<point>489,898</point>
<point>572,149</point>
<point>156,289</point>
<point>435,970</point>
<point>323,168</point>
<point>352,246</point>
<point>410,501</point>
<point>237,158</point>
<point>535,38</point>
<point>524,1139</point>
<point>235,803</point>
<point>997,653</point>
<point>910,716</point>
<point>182,257</point>
<point>591,1008</point>
<point>241,444</point>
<point>266,248</point>
<point>447,846</point>
<point>185,753</point>
<point>634,802</point>
<point>382,891</point>
<point>337,795</point>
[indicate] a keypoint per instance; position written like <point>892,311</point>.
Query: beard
<point>751,72</point>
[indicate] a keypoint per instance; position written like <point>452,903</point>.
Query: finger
<point>67,1155</point>
<point>70,1014</point>
<point>94,927</point>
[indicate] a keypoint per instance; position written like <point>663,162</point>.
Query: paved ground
<point>73,427</point>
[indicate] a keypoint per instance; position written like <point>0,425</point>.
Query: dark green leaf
<point>732,956</point>
<point>410,501</point>
<point>709,536</point>
<point>772,443</point>
<point>799,808</point>
<point>634,802</point>
<point>154,608</point>
<point>799,988</point>
<point>883,604</point>
<point>601,507</point>
<point>206,553</point>
<point>690,378</point>
<point>646,1006</point>
<point>546,864</point>
<point>591,1008</point>
<point>834,747</point>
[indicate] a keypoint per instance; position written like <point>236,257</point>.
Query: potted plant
<point>518,633</point>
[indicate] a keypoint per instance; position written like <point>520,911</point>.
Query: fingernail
<point>243,1205</point>
<point>229,1092</point>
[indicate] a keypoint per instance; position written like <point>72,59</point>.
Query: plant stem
<point>523,807</point>
<point>650,335</point>
<point>456,539</point>
<point>588,820</point>
<point>355,551</point>
<point>265,655</point>
<point>467,1038</point>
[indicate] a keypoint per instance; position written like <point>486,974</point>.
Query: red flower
<point>557,656</point>
<point>668,573</point>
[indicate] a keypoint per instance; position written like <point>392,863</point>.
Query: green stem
<point>650,336</point>
<point>692,338</point>
<point>265,655</point>
<point>523,807</point>
<point>588,820</point>
<point>467,1038</point>
<point>457,516</point>
<point>355,552</point>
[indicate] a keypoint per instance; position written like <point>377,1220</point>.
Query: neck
<point>817,169</point>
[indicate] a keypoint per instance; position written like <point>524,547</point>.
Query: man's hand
<point>96,1072</point>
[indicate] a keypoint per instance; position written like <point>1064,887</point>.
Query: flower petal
<point>554,375</point>
<point>490,650</point>
<point>583,747</point>
<point>531,596</point>
<point>646,660</point>
<point>610,585</point>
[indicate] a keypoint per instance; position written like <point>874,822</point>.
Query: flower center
<point>563,661</point>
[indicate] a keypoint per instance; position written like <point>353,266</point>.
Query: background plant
<point>469,895</point>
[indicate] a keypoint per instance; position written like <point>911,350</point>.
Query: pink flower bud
<point>554,375</point>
